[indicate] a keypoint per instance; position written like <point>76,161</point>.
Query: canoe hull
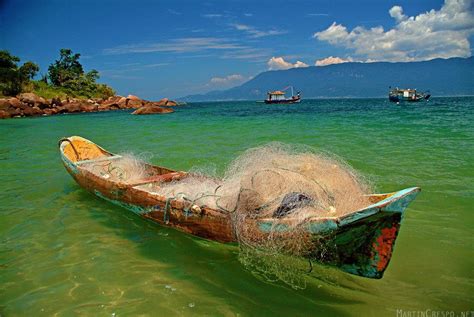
<point>359,243</point>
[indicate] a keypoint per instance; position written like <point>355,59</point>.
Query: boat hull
<point>282,101</point>
<point>398,99</point>
<point>359,243</point>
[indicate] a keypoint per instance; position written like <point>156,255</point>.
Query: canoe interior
<point>83,153</point>
<point>79,149</point>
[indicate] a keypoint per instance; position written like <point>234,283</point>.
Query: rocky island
<point>67,88</point>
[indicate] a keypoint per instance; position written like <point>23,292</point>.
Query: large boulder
<point>108,106</point>
<point>32,99</point>
<point>162,102</point>
<point>32,111</point>
<point>122,103</point>
<point>15,102</point>
<point>171,103</point>
<point>4,114</point>
<point>113,103</point>
<point>50,111</point>
<point>135,103</point>
<point>78,106</point>
<point>15,112</point>
<point>11,103</point>
<point>70,107</point>
<point>56,102</point>
<point>165,102</point>
<point>88,107</point>
<point>152,110</point>
<point>4,104</point>
<point>132,97</point>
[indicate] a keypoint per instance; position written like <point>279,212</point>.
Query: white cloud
<point>230,80</point>
<point>396,12</point>
<point>212,15</point>
<point>439,33</point>
<point>332,60</point>
<point>255,54</point>
<point>155,65</point>
<point>255,33</point>
<point>181,45</point>
<point>277,63</point>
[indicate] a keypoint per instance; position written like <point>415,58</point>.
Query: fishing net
<point>283,187</point>
<point>126,168</point>
<point>271,193</point>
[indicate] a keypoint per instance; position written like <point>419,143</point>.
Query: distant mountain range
<point>454,76</point>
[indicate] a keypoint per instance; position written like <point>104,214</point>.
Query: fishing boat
<point>278,96</point>
<point>360,242</point>
<point>398,95</point>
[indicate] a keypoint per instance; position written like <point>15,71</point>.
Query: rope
<point>72,145</point>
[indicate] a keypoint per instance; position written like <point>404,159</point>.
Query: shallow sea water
<point>65,252</point>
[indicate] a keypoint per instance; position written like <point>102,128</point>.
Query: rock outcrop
<point>29,105</point>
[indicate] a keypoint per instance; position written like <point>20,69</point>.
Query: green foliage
<point>47,91</point>
<point>28,70</point>
<point>66,69</point>
<point>68,74</point>
<point>12,77</point>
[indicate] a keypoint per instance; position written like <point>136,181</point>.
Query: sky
<point>156,49</point>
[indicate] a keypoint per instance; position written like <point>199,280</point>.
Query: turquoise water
<point>66,252</point>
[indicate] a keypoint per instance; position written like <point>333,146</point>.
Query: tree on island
<point>67,72</point>
<point>12,77</point>
<point>66,69</point>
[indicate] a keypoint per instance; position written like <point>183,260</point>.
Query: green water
<point>65,252</point>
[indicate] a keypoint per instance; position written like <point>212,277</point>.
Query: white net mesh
<point>276,184</point>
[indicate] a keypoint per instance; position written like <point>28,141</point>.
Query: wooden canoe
<point>359,243</point>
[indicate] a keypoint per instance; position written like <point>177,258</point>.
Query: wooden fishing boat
<point>360,242</point>
<point>398,95</point>
<point>278,97</point>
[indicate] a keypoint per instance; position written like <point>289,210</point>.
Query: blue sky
<point>157,49</point>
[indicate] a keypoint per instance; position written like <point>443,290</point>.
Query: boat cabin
<point>276,95</point>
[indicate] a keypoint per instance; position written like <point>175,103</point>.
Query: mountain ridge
<point>453,76</point>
